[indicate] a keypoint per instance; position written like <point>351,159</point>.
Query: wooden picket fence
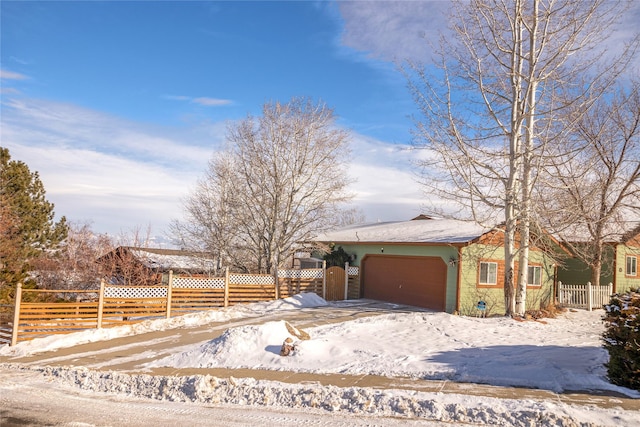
<point>122,305</point>
<point>584,296</point>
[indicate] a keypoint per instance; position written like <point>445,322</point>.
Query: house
<point>302,260</point>
<point>149,266</point>
<point>440,264</point>
<point>619,266</point>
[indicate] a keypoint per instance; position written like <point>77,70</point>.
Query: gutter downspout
<point>458,279</point>
<point>615,268</point>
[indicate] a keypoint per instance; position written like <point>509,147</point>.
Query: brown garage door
<point>418,281</point>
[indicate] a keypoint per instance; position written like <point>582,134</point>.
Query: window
<point>632,266</point>
<point>488,273</point>
<point>534,277</point>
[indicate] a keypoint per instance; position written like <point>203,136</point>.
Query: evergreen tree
<point>27,227</point>
<point>337,257</point>
<point>622,339</point>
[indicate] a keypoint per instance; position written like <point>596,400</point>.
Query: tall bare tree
<point>596,184</point>
<point>490,110</point>
<point>281,180</point>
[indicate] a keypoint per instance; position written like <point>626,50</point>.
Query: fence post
<point>169,288</point>
<point>346,280</point>
<point>226,286</point>
<point>277,283</point>
<point>100,304</point>
<point>16,315</point>
<point>589,295</point>
<point>559,292</point>
<point>324,280</point>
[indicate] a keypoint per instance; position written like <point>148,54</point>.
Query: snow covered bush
<point>622,339</point>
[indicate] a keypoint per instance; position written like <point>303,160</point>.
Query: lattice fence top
<point>198,282</point>
<point>135,292</point>
<point>353,271</point>
<point>308,273</point>
<point>251,279</point>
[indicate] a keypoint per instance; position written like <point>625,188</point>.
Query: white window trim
<point>634,272</point>
<point>534,276</point>
<point>495,273</point>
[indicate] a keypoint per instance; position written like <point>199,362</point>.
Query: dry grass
<point>550,311</point>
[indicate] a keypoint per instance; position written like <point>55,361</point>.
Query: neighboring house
<point>620,264</point>
<point>148,266</point>
<point>302,260</point>
<point>440,264</point>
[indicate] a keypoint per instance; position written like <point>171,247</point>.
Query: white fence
<point>584,296</point>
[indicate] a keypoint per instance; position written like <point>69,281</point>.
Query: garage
<point>413,280</point>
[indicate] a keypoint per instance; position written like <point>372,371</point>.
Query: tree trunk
<point>509,260</point>
<point>596,266</point>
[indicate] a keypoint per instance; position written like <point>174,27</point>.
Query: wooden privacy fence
<point>584,296</point>
<point>121,305</point>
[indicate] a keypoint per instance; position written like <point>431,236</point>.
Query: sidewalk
<point>128,354</point>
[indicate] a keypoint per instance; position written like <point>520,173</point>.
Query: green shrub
<point>622,339</point>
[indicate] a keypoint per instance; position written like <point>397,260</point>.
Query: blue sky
<point>171,62</point>
<point>119,105</point>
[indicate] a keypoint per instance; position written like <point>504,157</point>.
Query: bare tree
<point>596,184</point>
<point>281,179</point>
<point>73,265</point>
<point>508,73</point>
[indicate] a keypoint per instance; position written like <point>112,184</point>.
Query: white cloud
<point>211,102</point>
<point>201,100</point>
<point>407,30</point>
<point>384,180</point>
<point>121,175</point>
<point>393,30</point>
<point>10,75</point>
<point>118,174</point>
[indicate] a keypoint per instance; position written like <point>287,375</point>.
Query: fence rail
<point>584,296</point>
<point>123,305</point>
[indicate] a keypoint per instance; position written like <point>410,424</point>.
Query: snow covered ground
<point>561,354</point>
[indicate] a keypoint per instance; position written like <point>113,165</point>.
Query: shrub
<point>622,339</point>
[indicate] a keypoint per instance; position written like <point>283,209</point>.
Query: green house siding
<point>471,292</point>
<point>577,272</point>
<point>626,283</point>
<point>447,253</point>
<point>574,272</point>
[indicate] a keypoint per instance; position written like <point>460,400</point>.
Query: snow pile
<point>558,355</point>
<point>206,389</point>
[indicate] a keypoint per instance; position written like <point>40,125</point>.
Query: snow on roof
<point>618,232</point>
<point>169,259</point>
<point>428,230</point>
